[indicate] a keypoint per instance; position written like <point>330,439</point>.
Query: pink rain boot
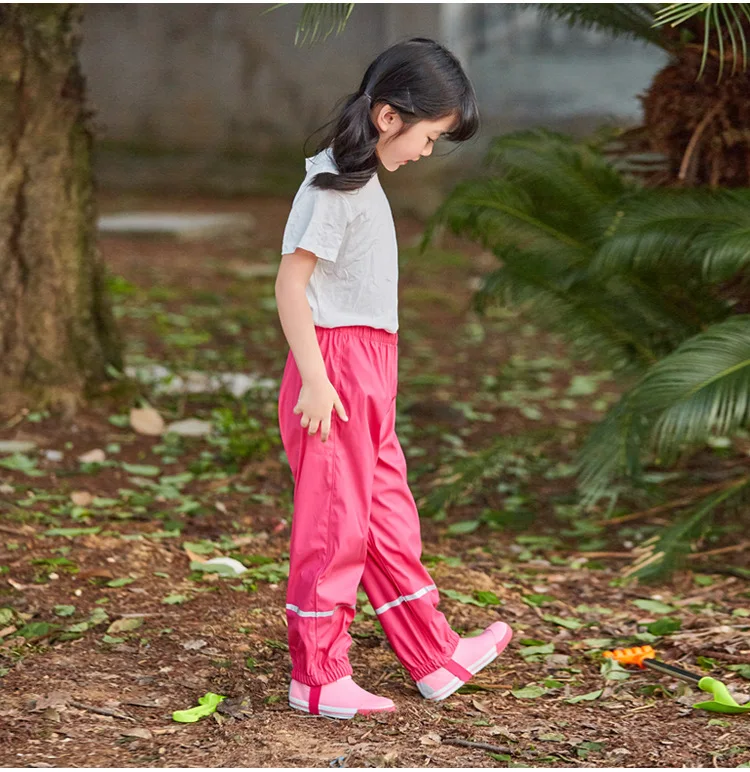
<point>340,699</point>
<point>470,656</point>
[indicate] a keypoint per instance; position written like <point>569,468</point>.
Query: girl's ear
<point>386,119</point>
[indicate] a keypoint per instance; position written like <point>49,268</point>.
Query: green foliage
<point>722,24</point>
<point>631,20</point>
<point>316,14</point>
<point>630,274</point>
<point>728,20</point>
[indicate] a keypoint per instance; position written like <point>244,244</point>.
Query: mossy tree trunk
<point>57,332</point>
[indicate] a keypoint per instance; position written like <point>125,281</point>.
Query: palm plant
<point>634,275</point>
<point>695,112</point>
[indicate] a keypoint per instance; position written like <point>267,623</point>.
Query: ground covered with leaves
<point>111,619</point>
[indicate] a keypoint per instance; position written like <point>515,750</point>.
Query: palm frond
<point>495,211</point>
<point>727,19</point>
<point>557,172</point>
<point>631,20</point>
<point>700,390</point>
<point>626,326</point>
<point>695,232</point>
<point>550,207</point>
<point>315,15</point>
<point>544,190</point>
<point>666,551</point>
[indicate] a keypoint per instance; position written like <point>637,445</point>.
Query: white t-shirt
<point>355,281</point>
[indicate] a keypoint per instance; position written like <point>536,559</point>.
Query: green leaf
<point>466,526</point>
<point>654,606</point>
<point>570,624</point>
<point>529,692</point>
<point>78,627</point>
<point>536,652</point>
<point>461,597</point>
<point>614,671</point>
<point>742,670</point>
<point>6,616</point>
<point>64,611</point>
<point>487,598</point>
<point>212,568</point>
<point>35,630</point>
<point>120,582</point>
<point>199,548</point>
<point>145,470</point>
<point>589,696</point>
<point>98,615</point>
<point>664,626</point>
<point>125,625</point>
<point>538,599</point>
<point>172,599</point>
<point>72,531</point>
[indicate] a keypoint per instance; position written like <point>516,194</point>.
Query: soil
<point>88,697</point>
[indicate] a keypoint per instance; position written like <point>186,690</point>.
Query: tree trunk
<point>701,126</point>
<point>57,332</point>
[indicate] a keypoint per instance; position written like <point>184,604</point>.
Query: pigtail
<point>353,140</point>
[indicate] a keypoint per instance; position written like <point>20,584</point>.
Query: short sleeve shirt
<point>355,281</point>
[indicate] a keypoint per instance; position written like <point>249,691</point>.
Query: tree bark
<point>57,331</point>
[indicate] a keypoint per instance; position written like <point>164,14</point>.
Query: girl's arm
<point>296,316</point>
<point>318,396</point>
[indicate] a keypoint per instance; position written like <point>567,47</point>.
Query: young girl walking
<point>355,520</point>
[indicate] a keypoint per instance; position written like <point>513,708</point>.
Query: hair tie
<point>369,98</point>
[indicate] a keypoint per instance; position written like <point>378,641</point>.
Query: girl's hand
<point>316,401</point>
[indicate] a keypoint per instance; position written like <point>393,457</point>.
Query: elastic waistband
<point>374,334</point>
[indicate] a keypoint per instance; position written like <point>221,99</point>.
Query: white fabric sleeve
<point>317,223</point>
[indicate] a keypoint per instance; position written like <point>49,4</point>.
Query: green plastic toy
<point>207,705</point>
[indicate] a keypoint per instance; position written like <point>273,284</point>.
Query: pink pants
<point>355,519</point>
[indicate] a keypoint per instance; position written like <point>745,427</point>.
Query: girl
<point>355,519</point>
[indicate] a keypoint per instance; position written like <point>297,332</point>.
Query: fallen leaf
<point>481,706</point>
<point>54,700</point>
<point>194,556</point>
<point>146,421</point>
<point>143,734</point>
<point>6,631</point>
<point>431,738</point>
<point>197,644</point>
<point>236,707</point>
<point>95,573</point>
<point>81,498</point>
<point>125,625</point>
<point>93,456</point>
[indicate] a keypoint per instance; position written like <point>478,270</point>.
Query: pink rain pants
<point>355,519</point>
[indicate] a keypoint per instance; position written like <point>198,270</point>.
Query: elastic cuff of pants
<point>431,666</point>
<point>326,676</point>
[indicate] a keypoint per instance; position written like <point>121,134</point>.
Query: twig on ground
<point>478,746</point>
<point>669,505</point>
<point>100,711</point>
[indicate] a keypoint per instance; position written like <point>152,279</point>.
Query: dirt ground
<point>109,626</point>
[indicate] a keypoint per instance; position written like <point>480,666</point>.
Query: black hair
<point>421,80</point>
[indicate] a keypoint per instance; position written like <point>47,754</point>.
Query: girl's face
<point>416,141</point>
